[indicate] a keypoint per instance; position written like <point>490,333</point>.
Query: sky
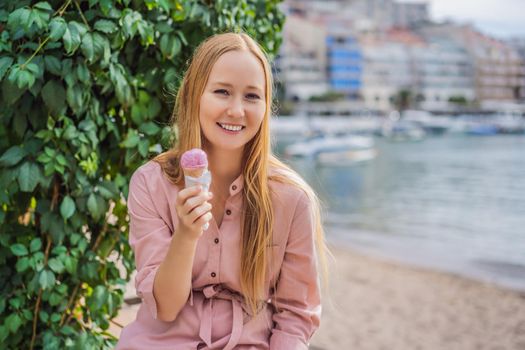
<point>500,18</point>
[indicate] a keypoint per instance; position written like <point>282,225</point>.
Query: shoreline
<point>376,303</point>
<point>424,255</point>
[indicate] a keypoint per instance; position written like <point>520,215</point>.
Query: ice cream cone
<point>194,172</point>
<point>194,164</point>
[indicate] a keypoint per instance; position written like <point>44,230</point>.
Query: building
<point>389,13</point>
<point>496,65</point>
<point>445,77</point>
<point>410,14</point>
<point>344,59</point>
<point>300,65</point>
<point>518,44</point>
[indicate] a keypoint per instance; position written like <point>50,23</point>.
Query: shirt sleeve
<point>297,296</point>
<point>149,237</point>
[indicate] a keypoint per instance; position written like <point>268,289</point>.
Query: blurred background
<point>408,118</point>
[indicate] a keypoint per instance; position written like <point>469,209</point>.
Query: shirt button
<point>216,240</point>
<point>228,212</point>
<point>213,274</point>
<point>234,187</point>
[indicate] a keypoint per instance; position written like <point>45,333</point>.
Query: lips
<point>231,127</point>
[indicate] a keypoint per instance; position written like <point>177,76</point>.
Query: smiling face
<point>233,103</point>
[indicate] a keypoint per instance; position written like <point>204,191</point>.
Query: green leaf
<point>70,133</point>
<point>108,189</point>
<point>88,47</point>
<point>149,128</point>
<point>44,316</point>
<point>55,299</point>
<point>29,176</point>
<point>18,18</point>
<point>22,264</point>
<point>67,208</point>
<point>75,98</point>
<point>56,265</point>
<point>33,68</point>
<point>54,96</point>
<point>53,64</point>
<point>10,92</point>
<point>25,79</point>
<point>15,303</point>
<point>106,6</point>
<point>83,73</point>
<point>132,139</point>
<point>58,28</point>
<point>35,245</point>
<point>70,264</point>
<point>71,38</point>
<point>144,147</point>
<point>96,206</point>
<point>20,124</point>
<point>13,322</point>
<point>46,279</point>
<point>170,45</point>
<point>5,63</point>
<point>12,156</point>
<point>19,249</point>
<point>44,6</point>
<point>105,26</point>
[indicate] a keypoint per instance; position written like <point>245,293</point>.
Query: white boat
<point>431,124</point>
<point>334,149</point>
<point>403,131</point>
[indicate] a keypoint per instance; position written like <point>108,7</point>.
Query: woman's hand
<point>193,211</point>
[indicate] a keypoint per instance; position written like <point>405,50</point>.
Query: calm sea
<point>452,203</point>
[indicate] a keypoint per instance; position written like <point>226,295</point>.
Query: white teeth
<point>231,127</point>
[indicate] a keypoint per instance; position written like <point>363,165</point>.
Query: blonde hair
<point>257,222</point>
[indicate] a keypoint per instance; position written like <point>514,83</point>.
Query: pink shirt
<point>215,316</point>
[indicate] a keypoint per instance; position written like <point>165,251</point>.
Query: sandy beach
<point>377,304</point>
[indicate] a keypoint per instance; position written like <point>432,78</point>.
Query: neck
<point>225,166</point>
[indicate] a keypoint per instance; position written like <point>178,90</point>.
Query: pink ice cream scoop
<point>194,162</point>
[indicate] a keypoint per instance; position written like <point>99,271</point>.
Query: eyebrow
<point>230,85</point>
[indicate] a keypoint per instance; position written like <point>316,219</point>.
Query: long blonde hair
<point>258,219</point>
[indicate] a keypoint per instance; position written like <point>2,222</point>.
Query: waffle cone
<point>196,172</point>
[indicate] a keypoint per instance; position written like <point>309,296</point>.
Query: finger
<point>203,219</point>
<point>200,211</point>
<point>195,201</point>
<point>186,193</point>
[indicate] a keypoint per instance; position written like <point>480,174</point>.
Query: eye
<point>222,92</point>
<point>253,97</point>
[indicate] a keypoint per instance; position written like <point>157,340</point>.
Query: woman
<point>250,281</point>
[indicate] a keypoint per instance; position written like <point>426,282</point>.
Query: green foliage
<point>330,96</point>
<point>86,98</point>
<point>458,100</point>
<point>403,100</point>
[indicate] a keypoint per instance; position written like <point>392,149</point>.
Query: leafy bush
<point>86,95</point>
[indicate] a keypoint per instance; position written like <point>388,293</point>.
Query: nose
<point>236,108</point>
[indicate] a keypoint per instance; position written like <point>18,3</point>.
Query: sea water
<point>454,203</point>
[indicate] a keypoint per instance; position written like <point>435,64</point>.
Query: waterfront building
<point>496,65</point>
<point>518,45</point>
<point>388,68</point>
<point>387,71</point>
<point>344,60</point>
<point>300,64</point>
<point>444,74</point>
<point>389,13</point>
